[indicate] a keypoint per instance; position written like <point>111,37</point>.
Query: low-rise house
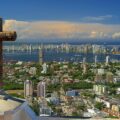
<point>112,105</point>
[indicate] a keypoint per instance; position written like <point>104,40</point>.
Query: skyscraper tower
<point>95,60</point>
<point>41,89</point>
<point>107,60</point>
<point>30,48</point>
<point>28,88</point>
<point>40,56</point>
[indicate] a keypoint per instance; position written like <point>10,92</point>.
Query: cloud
<point>61,30</point>
<point>97,18</point>
<point>99,35</point>
<point>116,35</point>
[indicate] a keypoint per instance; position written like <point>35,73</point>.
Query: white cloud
<point>116,35</point>
<point>97,18</point>
<point>61,30</point>
<point>99,35</point>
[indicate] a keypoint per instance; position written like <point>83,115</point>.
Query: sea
<point>59,56</point>
<point>53,55</point>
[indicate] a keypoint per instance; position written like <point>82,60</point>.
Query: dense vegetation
<point>13,86</point>
<point>80,85</point>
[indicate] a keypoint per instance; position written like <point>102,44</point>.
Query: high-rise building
<point>107,60</point>
<point>95,60</point>
<point>84,65</point>
<point>28,88</point>
<point>30,48</point>
<point>44,68</point>
<point>40,56</point>
<point>41,89</point>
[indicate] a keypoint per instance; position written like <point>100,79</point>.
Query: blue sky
<point>104,12</point>
<point>70,10</point>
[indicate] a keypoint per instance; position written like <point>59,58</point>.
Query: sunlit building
<point>28,88</point>
<point>41,89</point>
<point>107,60</point>
<point>99,89</point>
<point>40,56</point>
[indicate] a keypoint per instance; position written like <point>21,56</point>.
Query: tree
<point>80,85</point>
<point>99,105</point>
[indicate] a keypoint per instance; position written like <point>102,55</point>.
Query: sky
<point>62,19</point>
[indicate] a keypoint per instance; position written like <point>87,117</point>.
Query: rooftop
<point>8,103</point>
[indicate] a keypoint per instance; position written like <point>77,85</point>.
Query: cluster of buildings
<point>63,47</point>
<point>45,85</point>
<point>28,89</point>
<point>106,88</point>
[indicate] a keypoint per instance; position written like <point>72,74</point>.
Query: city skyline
<point>62,20</point>
<point>65,63</point>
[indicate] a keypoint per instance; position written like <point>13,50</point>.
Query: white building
<point>101,71</point>
<point>107,60</point>
<point>102,100</point>
<point>33,70</point>
<point>99,89</point>
<point>44,67</point>
<point>118,90</point>
<point>28,88</point>
<point>95,60</point>
<point>116,79</point>
<point>19,63</point>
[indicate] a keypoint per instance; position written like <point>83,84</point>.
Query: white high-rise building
<point>30,48</point>
<point>28,88</point>
<point>99,89</point>
<point>41,89</point>
<point>44,67</point>
<point>107,60</point>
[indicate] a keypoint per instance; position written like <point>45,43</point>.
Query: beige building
<point>28,88</point>
<point>41,89</point>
